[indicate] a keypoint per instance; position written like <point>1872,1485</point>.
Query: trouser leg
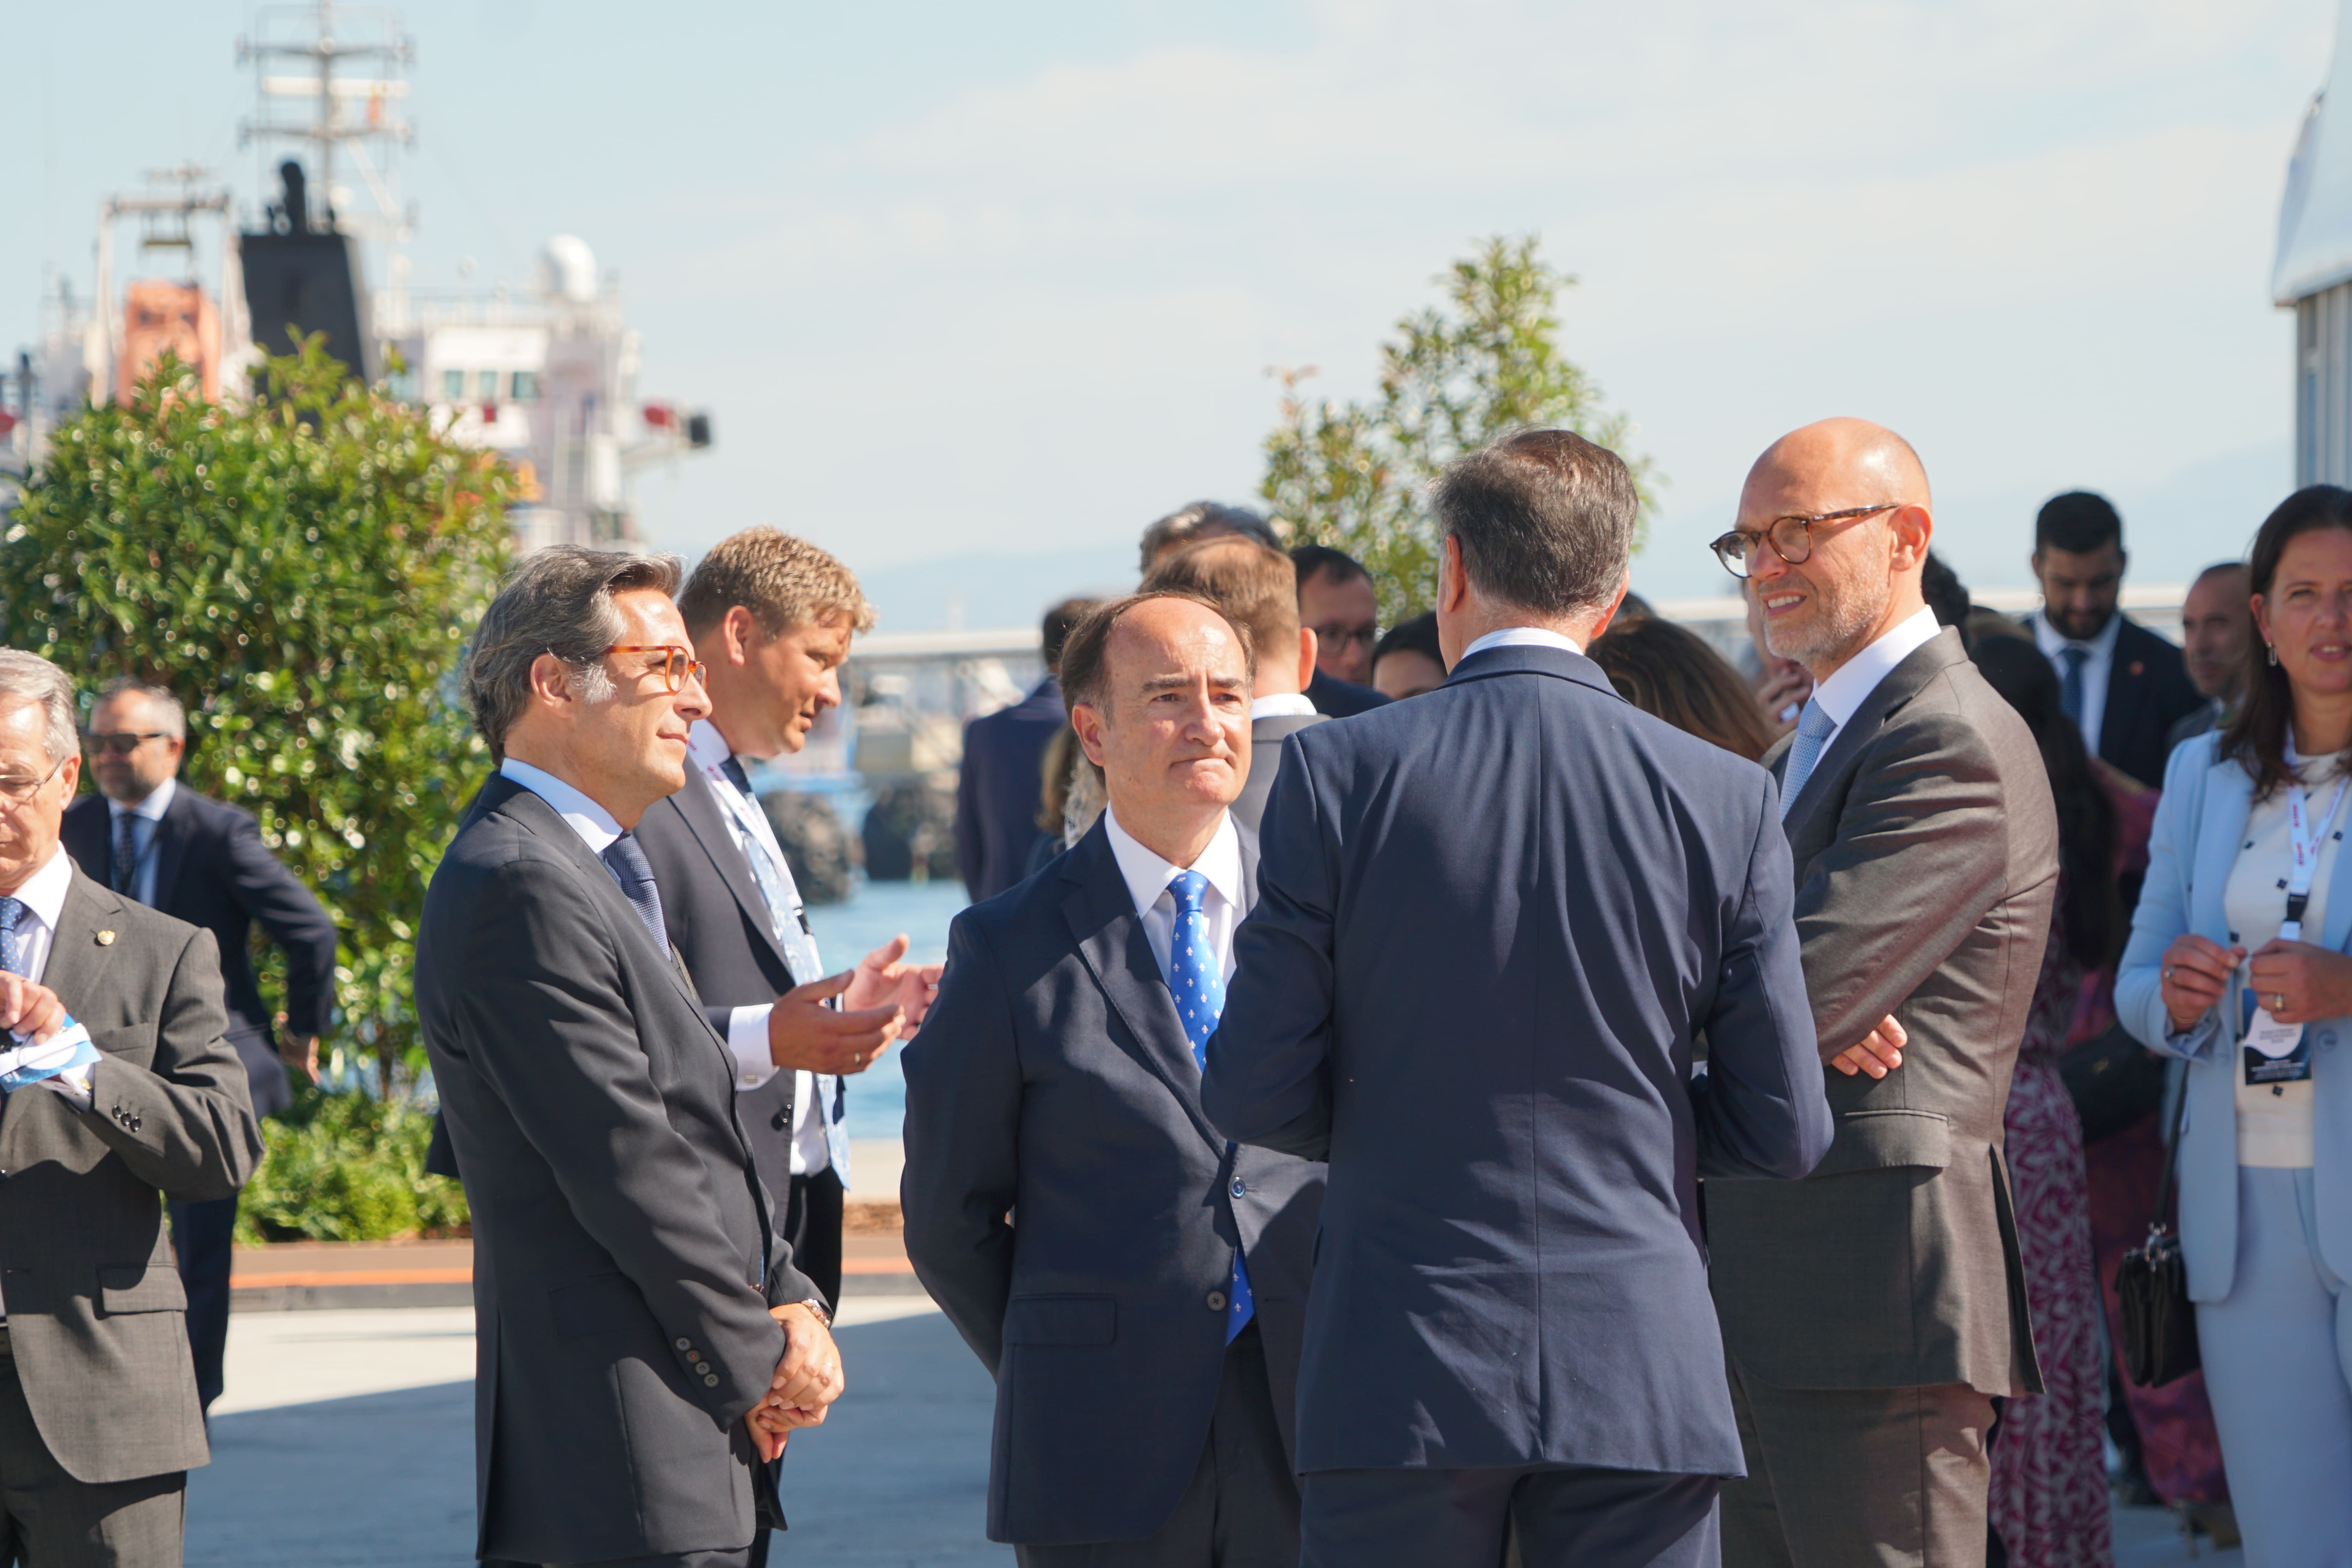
<point>2276,1369</point>
<point>1405,1517</point>
<point>813,1227</point>
<point>1864,1477</point>
<point>1591,1518</point>
<point>52,1521</point>
<point>202,1237</point>
<point>739,1557</point>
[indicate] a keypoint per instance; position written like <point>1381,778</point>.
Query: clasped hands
<point>881,1000</point>
<point>808,1380</point>
<point>2295,981</point>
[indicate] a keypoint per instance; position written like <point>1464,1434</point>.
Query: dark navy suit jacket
<point>212,871</point>
<point>1000,788</point>
<point>1490,922</point>
<point>1341,699</point>
<point>1053,1081</point>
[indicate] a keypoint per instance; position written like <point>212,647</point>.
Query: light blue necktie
<point>12,946</point>
<point>2069,682</point>
<point>1814,728</point>
<point>783,897</point>
<point>1198,984</point>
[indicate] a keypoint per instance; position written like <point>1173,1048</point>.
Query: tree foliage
<point>1486,363</point>
<point>302,571</point>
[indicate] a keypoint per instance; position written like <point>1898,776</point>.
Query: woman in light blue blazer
<point>2219,972</point>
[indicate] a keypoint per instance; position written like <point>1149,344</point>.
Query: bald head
<point>1850,498</point>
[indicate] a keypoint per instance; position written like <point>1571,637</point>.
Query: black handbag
<point>2159,1324</point>
<point>2115,1082</point>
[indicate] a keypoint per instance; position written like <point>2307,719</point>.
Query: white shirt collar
<point>43,892</point>
<point>1148,875</point>
<point>2051,641</point>
<point>158,802</point>
<point>1281,705</point>
<point>596,826</point>
<point>1521,636</point>
<point>708,747</point>
<point>1843,693</point>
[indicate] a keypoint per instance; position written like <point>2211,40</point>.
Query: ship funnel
<point>567,270</point>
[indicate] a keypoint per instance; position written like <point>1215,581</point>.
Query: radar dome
<point>567,270</point>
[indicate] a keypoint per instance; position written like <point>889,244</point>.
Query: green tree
<point>302,571</point>
<point>1486,363</point>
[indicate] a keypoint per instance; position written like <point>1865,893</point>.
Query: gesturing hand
<point>808,1380</point>
<point>804,1035</point>
<point>1878,1055</point>
<point>881,980</point>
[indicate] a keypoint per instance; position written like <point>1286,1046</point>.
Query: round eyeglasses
<point>1791,538</point>
<point>678,667</point>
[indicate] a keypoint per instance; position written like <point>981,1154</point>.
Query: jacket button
<point>780,1119</point>
<point>686,1345</point>
<point>710,1379</point>
<point>1216,1300</point>
<point>2327,1041</point>
<point>703,1367</point>
<point>1239,1187</point>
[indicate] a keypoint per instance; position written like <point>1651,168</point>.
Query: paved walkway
<point>345,1440</point>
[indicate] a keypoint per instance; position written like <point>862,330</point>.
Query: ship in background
<point>546,377</point>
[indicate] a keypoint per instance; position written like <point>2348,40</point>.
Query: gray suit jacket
<point>624,1258</point>
<point>1266,736</point>
<point>1927,861</point>
<point>95,1309</point>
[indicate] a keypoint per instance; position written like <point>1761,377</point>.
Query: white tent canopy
<point>2314,246</point>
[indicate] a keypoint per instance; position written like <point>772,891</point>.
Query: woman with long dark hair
<point>2238,964</point>
<point>2049,1500</point>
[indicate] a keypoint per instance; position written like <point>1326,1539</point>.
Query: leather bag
<point>2159,1322</point>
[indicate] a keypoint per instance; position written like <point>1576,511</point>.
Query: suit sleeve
<point>1921,855</point>
<point>1268,1078</point>
<point>1761,1110</point>
<point>295,921</point>
<point>964,1144</point>
<point>968,845</point>
<point>185,1123</point>
<point>558,1041</point>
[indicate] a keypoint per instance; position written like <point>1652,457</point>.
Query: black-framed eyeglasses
<point>1336,636</point>
<point>678,667</point>
<point>16,791</point>
<point>1792,537</point>
<point>124,741</point>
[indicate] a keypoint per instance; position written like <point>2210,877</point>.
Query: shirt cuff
<point>747,1042</point>
<point>74,1084</point>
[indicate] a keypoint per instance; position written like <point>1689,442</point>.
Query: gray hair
<point>1545,520</point>
<point>175,718</point>
<point>1204,520</point>
<point>29,677</point>
<point>559,601</point>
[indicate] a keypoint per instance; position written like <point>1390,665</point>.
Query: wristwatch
<point>823,1314</point>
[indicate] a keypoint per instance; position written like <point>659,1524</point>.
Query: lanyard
<point>2303,843</point>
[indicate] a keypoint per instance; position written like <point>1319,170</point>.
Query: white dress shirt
<point>147,820</point>
<point>1522,637</point>
<point>596,826</point>
<point>1281,705</point>
<point>1148,876</point>
<point>42,895</point>
<point>2097,670</point>
<point>1844,693</point>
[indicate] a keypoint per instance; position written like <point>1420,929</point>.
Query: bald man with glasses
<point>151,838</point>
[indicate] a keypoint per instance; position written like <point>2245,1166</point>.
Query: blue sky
<point>962,281</point>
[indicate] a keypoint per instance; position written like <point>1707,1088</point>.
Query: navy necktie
<point>733,768</point>
<point>1198,984</point>
<point>627,860</point>
<point>2070,681</point>
<point>126,854</point>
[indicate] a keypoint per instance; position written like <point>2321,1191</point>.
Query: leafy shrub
<point>349,1166</point>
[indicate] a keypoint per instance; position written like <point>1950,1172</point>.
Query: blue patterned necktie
<point>1198,984</point>
<point>625,859</point>
<point>1814,726</point>
<point>12,946</point>
<point>2069,682</point>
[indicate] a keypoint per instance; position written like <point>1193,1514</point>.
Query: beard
<point>1844,615</point>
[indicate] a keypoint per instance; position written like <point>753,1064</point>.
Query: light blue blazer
<point>2200,824</point>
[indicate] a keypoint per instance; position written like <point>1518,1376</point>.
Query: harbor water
<point>846,932</point>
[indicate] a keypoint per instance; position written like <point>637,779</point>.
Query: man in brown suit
<point>1871,1310</point>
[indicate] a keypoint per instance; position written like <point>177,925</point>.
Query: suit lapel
<point>1111,943</point>
<point>707,818</point>
<point>172,844</point>
<point>1824,783</point>
<point>2126,693</point>
<point>76,969</point>
<point>2229,803</point>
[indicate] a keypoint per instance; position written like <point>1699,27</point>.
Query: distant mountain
<point>981,592</point>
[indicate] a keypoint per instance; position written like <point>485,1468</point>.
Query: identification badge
<point>2275,1052</point>
<point>29,1063</point>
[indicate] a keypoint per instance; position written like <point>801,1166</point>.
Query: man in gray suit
<point>1872,1312</point>
<point>644,1342</point>
<point>1143,1316</point>
<point>99,1418</point>
<point>1257,588</point>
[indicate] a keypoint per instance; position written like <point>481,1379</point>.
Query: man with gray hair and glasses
<point>149,836</point>
<point>645,1345</point>
<point>135,1096</point>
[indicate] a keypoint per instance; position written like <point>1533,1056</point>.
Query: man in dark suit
<point>644,1341</point>
<point>149,837</point>
<point>100,1420</point>
<point>2217,637</point>
<point>1492,920</point>
<point>2123,685</point>
<point>1144,1327</point>
<point>1337,603</point>
<point>1873,1311</point>
<point>770,616</point>
<point>1256,588</point>
<point>999,785</point>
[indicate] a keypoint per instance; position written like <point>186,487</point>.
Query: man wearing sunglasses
<point>149,837</point>
<point>1872,1312</point>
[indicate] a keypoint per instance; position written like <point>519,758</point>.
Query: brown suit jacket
<point>95,1315</point>
<point>1925,849</point>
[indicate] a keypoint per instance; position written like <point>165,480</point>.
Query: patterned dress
<point>2049,1500</point>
